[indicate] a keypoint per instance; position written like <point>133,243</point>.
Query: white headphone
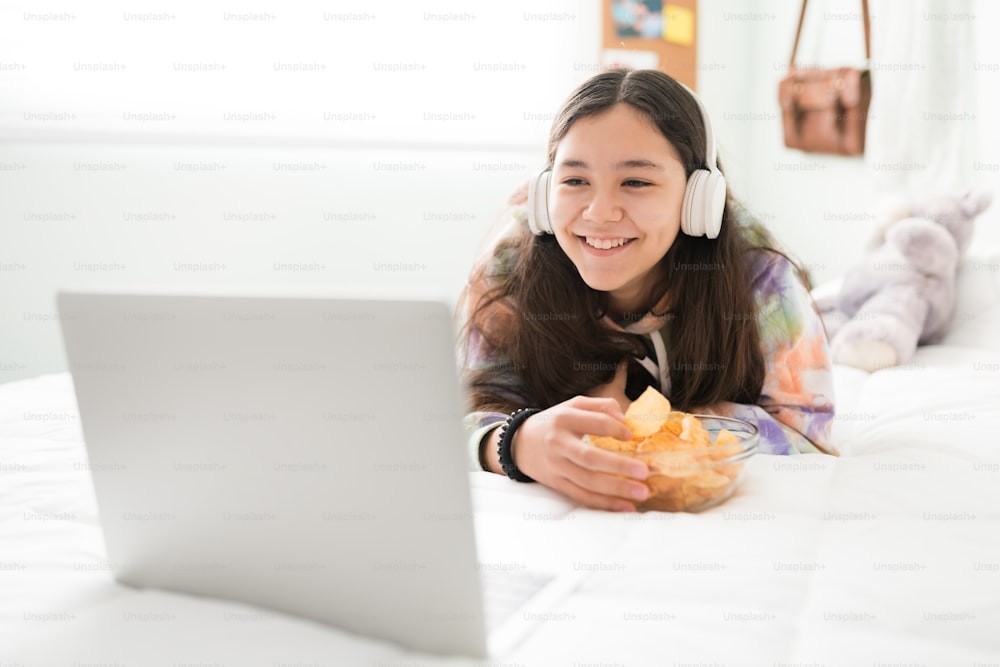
<point>704,196</point>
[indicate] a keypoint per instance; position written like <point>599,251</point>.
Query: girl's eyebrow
<point>625,164</point>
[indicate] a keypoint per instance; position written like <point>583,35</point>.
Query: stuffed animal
<point>903,293</point>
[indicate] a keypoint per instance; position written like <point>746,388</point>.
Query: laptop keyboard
<point>504,593</point>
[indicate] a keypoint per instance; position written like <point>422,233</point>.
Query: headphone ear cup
<point>538,203</point>
<point>704,204</point>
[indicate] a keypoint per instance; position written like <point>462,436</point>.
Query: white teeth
<point>605,244</point>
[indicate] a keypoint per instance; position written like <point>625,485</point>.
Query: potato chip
<point>667,500</point>
<point>661,441</point>
<point>686,466</point>
<point>659,484</point>
<point>673,425</point>
<point>730,470</point>
<point>647,413</point>
<point>692,431</point>
<point>724,437</point>
<point>718,453</point>
<point>708,479</point>
<point>611,444</point>
<point>716,493</point>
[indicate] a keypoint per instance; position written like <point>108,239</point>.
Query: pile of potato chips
<point>687,468</point>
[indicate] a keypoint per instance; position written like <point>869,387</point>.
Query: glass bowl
<point>690,480</point>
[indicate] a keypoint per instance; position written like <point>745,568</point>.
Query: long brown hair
<point>544,322</point>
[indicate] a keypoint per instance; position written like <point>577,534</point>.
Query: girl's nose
<point>604,206</point>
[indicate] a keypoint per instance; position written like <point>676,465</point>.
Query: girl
<point>643,270</point>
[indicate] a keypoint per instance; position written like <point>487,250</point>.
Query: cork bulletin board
<point>652,34</point>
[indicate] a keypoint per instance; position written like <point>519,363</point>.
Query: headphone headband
<point>710,158</point>
<point>704,197</point>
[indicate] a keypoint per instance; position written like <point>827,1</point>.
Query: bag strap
<point>868,32</point>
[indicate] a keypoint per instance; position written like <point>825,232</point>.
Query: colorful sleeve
<point>796,408</point>
<point>504,382</point>
<point>479,424</point>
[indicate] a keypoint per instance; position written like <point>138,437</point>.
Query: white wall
<point>430,72</point>
<point>823,207</point>
<point>385,167</point>
<point>795,193</point>
<point>325,143</point>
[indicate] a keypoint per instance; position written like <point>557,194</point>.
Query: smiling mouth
<point>605,244</point>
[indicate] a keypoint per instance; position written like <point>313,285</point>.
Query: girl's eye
<point>634,183</point>
<point>573,181</point>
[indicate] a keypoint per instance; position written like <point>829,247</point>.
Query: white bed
<point>888,555</point>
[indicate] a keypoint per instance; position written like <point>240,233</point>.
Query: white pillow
<point>977,300</point>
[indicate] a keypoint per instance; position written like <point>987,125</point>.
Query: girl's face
<point>615,205</point>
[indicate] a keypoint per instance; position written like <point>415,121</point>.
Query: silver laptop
<point>304,454</point>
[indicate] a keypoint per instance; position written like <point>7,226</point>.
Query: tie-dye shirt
<point>795,411</point>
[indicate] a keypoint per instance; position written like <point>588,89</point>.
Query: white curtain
<point>923,120</point>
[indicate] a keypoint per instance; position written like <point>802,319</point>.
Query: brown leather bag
<point>826,110</point>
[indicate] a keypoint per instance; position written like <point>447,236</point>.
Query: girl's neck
<point>631,310</point>
<point>635,300</point>
<point>634,305</point>
<point>626,310</point>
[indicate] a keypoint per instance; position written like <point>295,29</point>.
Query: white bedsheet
<point>888,555</point>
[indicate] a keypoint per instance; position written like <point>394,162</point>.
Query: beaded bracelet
<point>507,431</point>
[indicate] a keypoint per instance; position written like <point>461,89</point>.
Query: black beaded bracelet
<point>507,431</point>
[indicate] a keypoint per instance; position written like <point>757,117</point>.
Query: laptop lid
<point>302,454</point>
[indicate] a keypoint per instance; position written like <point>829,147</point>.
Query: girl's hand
<point>614,389</point>
<point>549,447</point>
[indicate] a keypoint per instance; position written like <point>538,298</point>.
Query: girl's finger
<point>591,499</point>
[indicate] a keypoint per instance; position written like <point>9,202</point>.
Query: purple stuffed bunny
<point>903,293</point>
